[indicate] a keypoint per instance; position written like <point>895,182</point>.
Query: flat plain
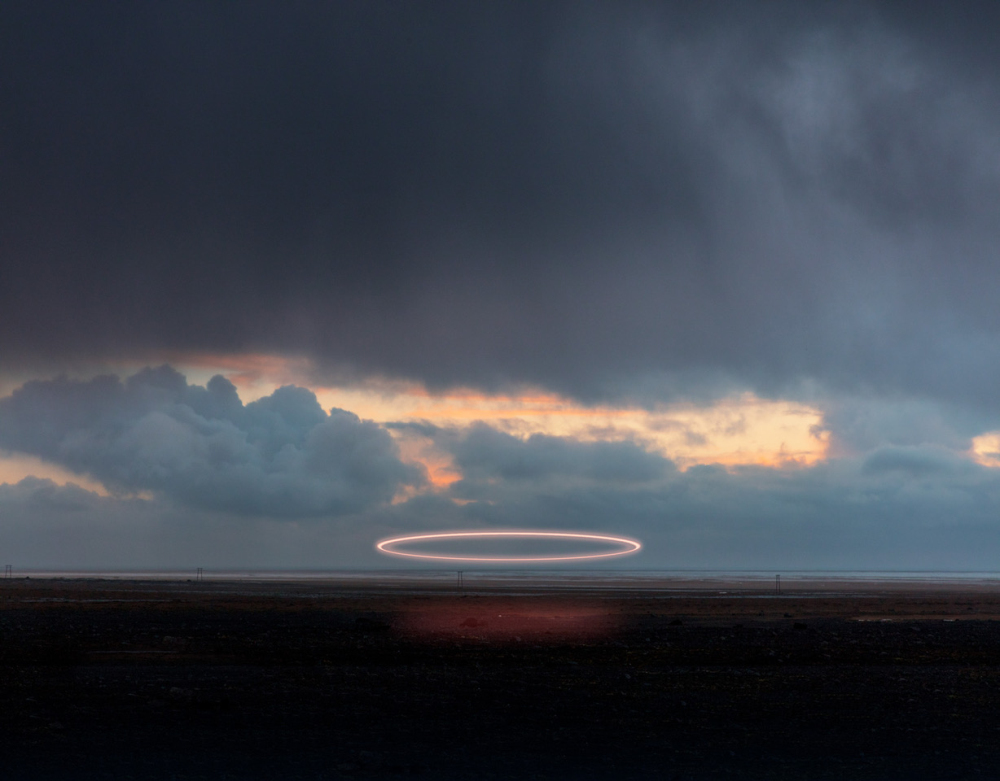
<point>358,679</point>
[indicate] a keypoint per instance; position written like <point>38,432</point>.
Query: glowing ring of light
<point>384,546</point>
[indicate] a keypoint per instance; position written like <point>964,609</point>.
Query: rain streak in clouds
<point>751,252</point>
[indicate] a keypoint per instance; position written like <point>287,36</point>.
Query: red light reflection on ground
<point>508,620</point>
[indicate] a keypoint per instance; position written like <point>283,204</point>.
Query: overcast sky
<point>278,279</point>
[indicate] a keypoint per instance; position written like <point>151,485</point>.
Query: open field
<point>370,679</point>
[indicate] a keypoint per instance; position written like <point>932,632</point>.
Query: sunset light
<point>732,431</point>
<point>986,449</point>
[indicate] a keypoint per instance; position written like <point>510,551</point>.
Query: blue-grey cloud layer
<point>902,506</point>
<point>198,478</point>
<point>280,456</point>
<point>484,453</point>
<point>609,199</point>
<point>904,509</point>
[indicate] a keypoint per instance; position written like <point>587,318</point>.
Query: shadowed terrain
<point>162,680</point>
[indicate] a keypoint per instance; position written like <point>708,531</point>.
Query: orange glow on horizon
<point>737,431</point>
<point>16,467</point>
<point>418,449</point>
<point>986,449</point>
<point>254,374</point>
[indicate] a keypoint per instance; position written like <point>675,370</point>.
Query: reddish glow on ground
<point>391,546</point>
<point>498,620</point>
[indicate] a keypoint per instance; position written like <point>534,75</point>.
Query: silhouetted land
<point>163,680</point>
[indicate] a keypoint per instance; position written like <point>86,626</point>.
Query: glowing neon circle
<point>631,546</point>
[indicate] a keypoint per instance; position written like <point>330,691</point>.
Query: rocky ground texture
<point>161,680</point>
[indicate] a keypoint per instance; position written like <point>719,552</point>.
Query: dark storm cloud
<point>46,497</point>
<point>915,461</point>
<point>279,456</point>
<point>483,453</point>
<point>44,525</point>
<point>488,458</point>
<point>859,425</point>
<point>610,199</point>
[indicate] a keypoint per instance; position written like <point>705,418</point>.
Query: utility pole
<point>8,571</point>
<point>461,579</point>
<point>777,584</point>
<point>201,574</point>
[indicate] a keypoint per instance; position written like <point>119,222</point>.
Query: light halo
<point>384,546</point>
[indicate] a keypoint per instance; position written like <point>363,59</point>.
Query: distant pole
<point>8,572</point>
<point>461,579</point>
<point>777,584</point>
<point>200,575</point>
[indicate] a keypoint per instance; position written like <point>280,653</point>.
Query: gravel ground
<point>116,680</point>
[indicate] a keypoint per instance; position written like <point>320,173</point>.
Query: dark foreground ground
<point>115,680</point>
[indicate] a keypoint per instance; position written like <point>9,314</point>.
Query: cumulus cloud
<point>46,496</point>
<point>491,463</point>
<point>281,455</point>
<point>484,453</point>
<point>916,461</point>
<point>858,425</point>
